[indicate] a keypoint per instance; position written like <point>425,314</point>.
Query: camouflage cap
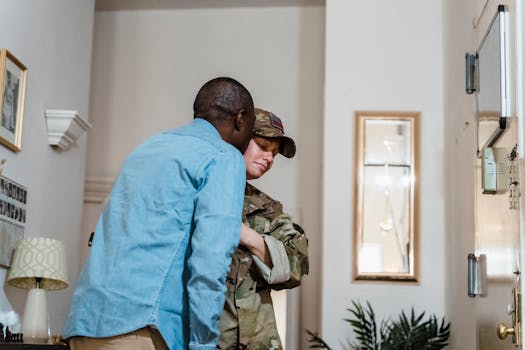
<point>269,125</point>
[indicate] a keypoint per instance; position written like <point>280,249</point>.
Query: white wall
<point>381,55</point>
<point>520,111</point>
<point>149,64</point>
<point>53,39</point>
<point>460,144</point>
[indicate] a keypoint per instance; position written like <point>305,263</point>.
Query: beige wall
<point>53,39</point>
<point>149,64</point>
<point>381,55</point>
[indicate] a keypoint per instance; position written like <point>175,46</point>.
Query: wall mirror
<point>492,88</point>
<point>386,196</point>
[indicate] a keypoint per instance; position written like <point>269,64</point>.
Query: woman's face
<point>259,156</point>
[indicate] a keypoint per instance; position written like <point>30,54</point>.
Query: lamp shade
<point>39,259</point>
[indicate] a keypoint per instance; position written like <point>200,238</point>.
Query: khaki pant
<point>146,338</point>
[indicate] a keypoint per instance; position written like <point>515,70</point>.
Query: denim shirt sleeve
<point>216,234</point>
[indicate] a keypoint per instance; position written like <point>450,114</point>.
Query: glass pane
<point>387,142</point>
<point>385,243</point>
<point>489,83</point>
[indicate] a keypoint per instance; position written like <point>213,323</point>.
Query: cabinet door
<point>497,229</point>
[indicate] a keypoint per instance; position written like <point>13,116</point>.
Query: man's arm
<point>217,221</point>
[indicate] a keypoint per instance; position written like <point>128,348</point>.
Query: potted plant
<point>414,332</point>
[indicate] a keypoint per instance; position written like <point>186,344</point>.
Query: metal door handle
<point>503,331</point>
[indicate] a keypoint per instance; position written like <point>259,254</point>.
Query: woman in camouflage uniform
<point>273,250</point>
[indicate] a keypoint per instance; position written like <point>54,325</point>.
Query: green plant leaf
<point>316,341</point>
<point>407,332</point>
<point>364,326</point>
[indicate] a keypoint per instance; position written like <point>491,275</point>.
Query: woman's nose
<point>268,157</point>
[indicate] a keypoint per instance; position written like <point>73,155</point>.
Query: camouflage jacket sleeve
<point>286,241</point>
<point>288,248</point>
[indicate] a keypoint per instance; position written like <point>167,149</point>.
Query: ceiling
<point>116,5</point>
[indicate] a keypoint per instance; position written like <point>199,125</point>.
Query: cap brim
<point>287,146</point>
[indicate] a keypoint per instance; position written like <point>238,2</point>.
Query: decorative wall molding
<point>64,127</point>
<point>97,189</point>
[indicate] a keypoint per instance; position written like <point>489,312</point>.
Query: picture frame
<point>13,76</point>
<point>386,197</point>
<point>13,211</point>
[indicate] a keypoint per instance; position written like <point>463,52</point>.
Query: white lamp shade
<point>42,258</point>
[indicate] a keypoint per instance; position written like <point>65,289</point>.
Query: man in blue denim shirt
<point>163,243</point>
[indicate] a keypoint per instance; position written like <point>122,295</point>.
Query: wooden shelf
<point>17,346</point>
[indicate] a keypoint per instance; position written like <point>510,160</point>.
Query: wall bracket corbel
<point>64,127</point>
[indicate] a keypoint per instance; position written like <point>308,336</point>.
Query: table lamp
<point>39,264</point>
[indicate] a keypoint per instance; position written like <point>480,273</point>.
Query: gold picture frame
<point>386,201</point>
<point>13,82</point>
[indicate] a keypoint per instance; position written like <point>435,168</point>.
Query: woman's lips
<point>262,165</point>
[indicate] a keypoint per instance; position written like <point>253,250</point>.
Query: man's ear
<point>239,120</point>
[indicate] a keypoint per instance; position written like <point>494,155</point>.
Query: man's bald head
<point>228,105</point>
<point>220,98</point>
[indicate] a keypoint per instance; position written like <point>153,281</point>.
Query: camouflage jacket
<point>248,320</point>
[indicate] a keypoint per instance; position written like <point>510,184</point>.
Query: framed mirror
<point>492,88</point>
<point>386,196</point>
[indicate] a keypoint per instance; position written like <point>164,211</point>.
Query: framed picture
<point>13,81</point>
<point>386,196</point>
<point>13,201</point>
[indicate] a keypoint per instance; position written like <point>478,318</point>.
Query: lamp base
<point>35,320</point>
